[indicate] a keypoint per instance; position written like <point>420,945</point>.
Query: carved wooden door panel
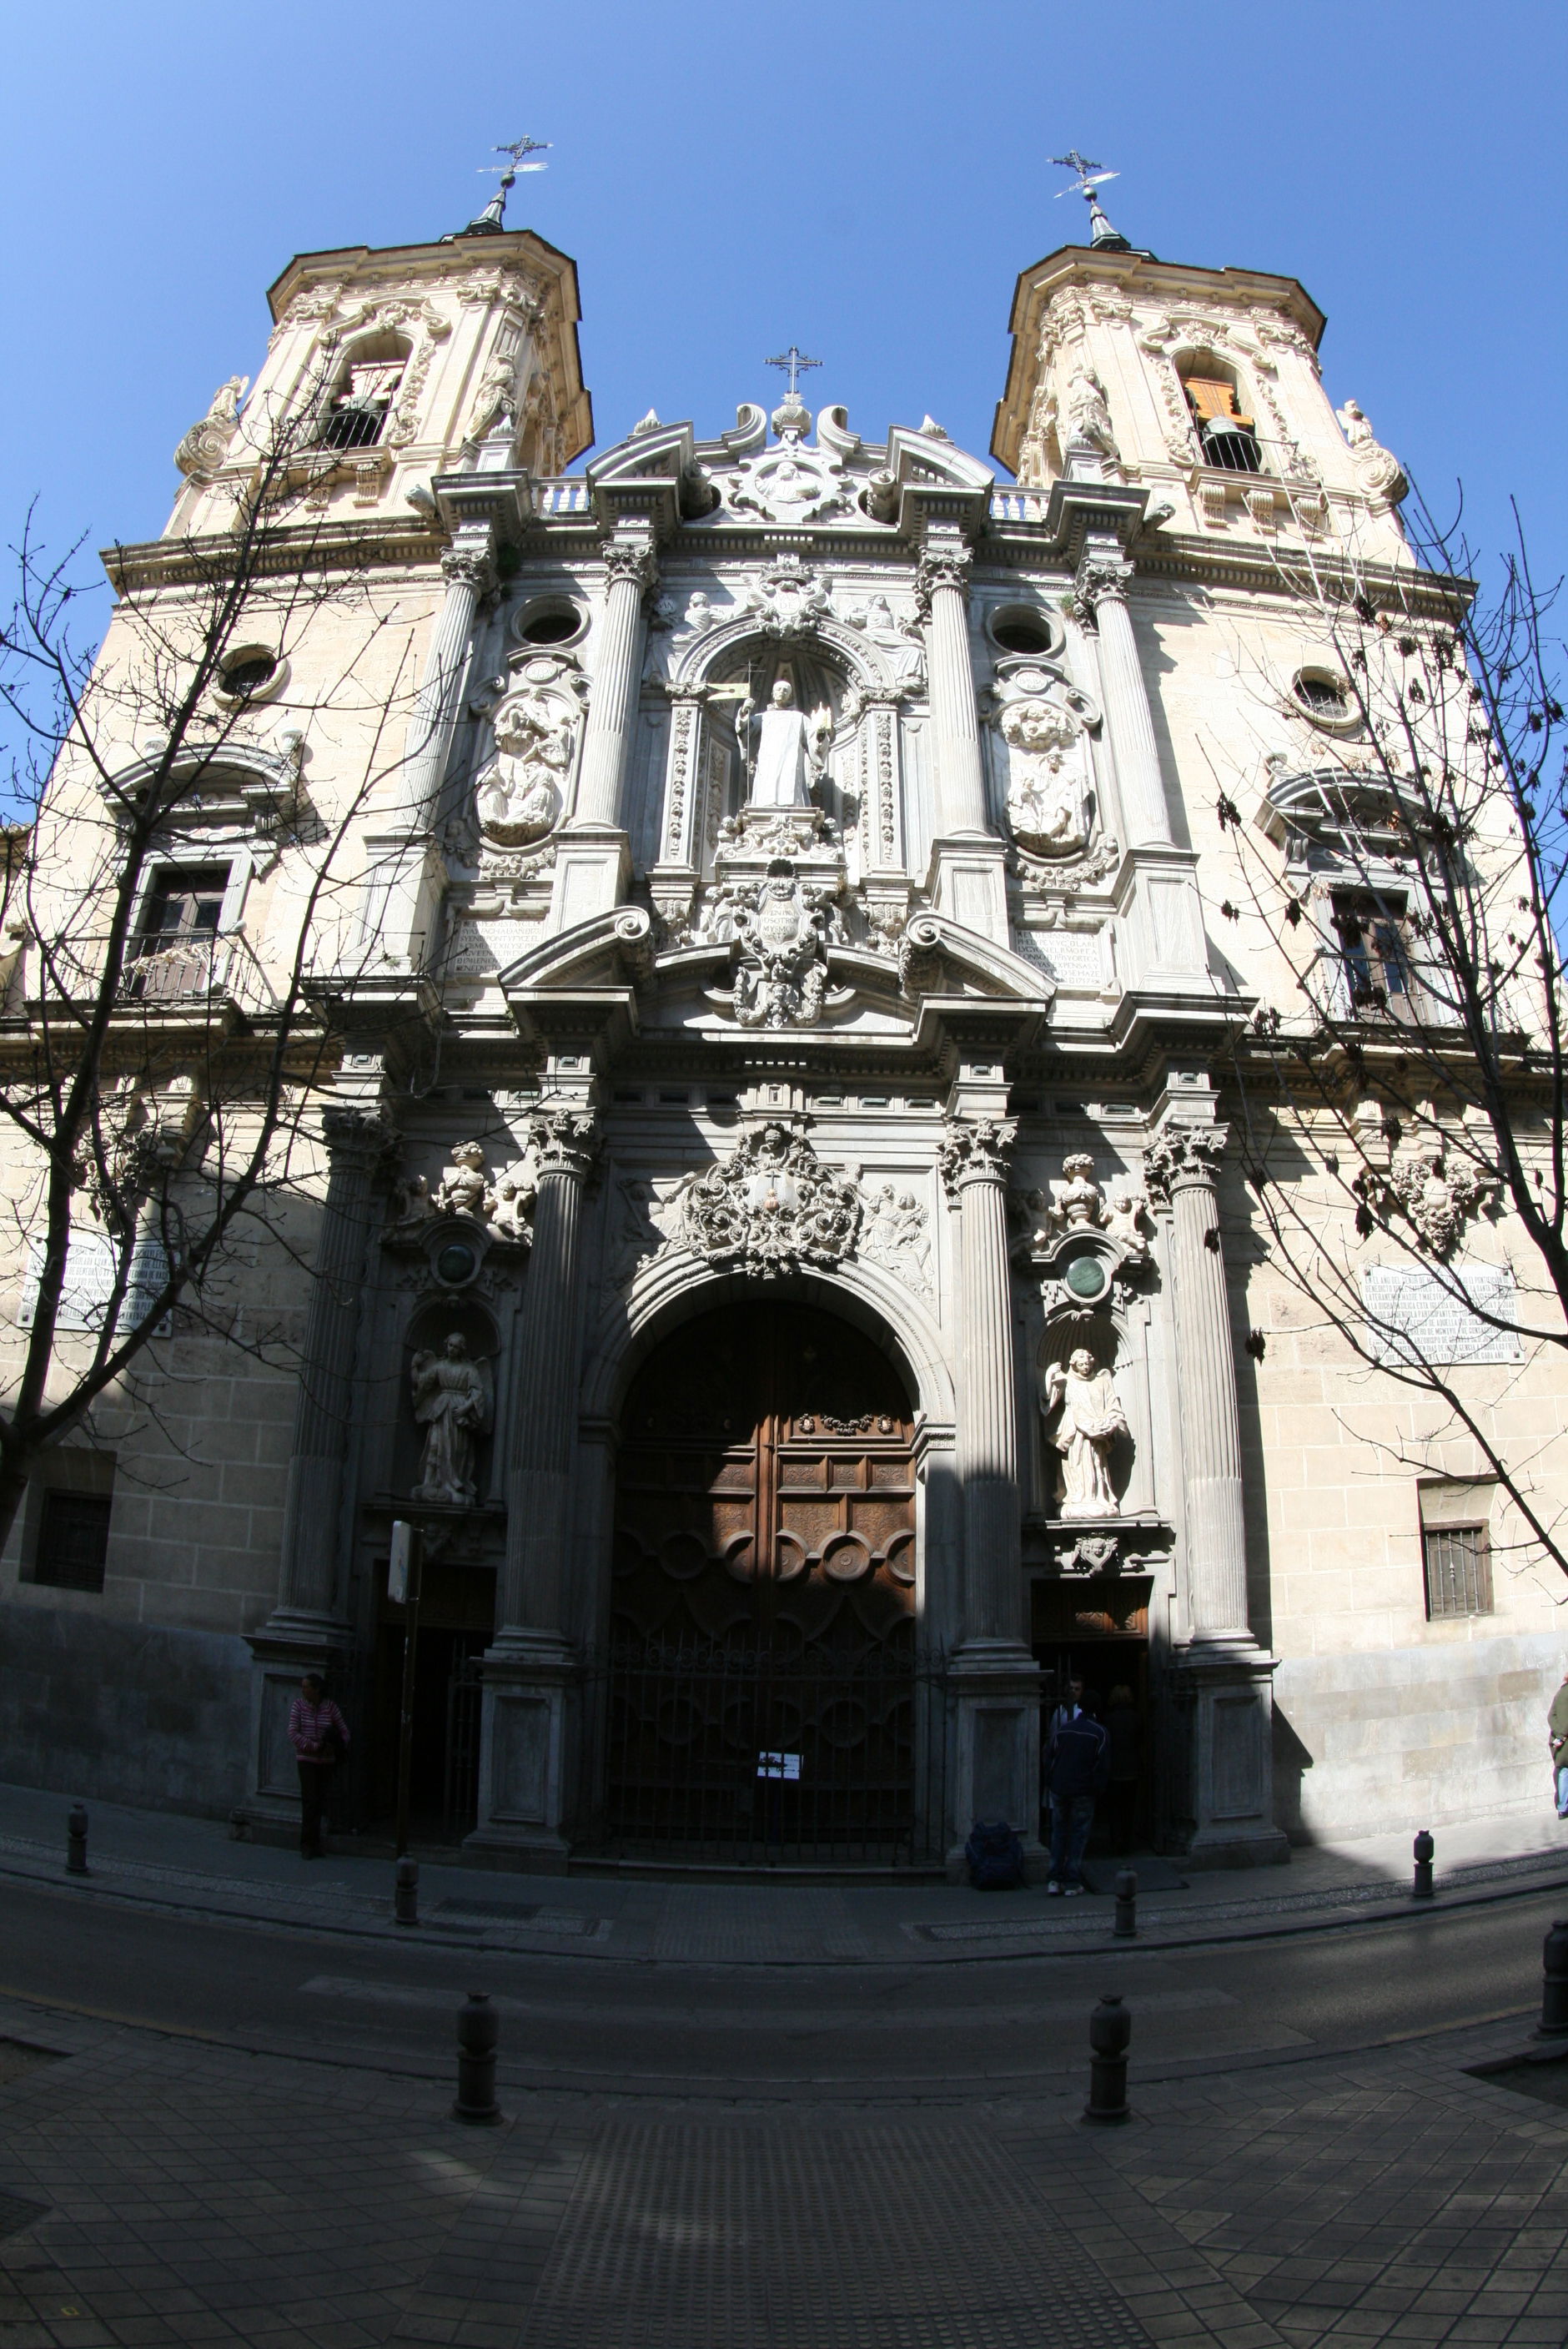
<point>763,1599</point>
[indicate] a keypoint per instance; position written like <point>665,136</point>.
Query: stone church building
<point>771,1222</point>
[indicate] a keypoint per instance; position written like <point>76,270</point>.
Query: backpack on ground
<point>996,1857</point>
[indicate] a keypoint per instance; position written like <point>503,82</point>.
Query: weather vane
<point>794,360</point>
<point>1087,177</point>
<point>517,149</point>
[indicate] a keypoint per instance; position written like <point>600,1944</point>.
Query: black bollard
<point>1125,1929</point>
<point>479,2030</point>
<point>1554,1982</point>
<point>1422,1887</point>
<point>406,1899</point>
<point>1110,2030</point>
<point>77,1841</point>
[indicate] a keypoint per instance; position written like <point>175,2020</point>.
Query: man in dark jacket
<point>1079,1770</point>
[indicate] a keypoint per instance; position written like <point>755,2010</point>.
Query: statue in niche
<point>784,749</point>
<point>1088,420</point>
<point>452,1405</point>
<point>1048,795</point>
<point>1089,1419</point>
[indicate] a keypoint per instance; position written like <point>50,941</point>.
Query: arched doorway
<point>764,1669</point>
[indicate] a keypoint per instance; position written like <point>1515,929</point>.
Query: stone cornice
<point>280,549</point>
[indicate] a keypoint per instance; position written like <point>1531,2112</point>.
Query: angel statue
<point>452,1405</point>
<point>1090,1419</point>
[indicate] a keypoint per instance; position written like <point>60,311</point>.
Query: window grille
<point>1226,437</point>
<point>1458,1571</point>
<point>73,1541</point>
<point>357,416</point>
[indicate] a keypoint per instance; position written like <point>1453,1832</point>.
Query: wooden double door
<point>763,1608</point>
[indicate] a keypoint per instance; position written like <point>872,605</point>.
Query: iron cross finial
<point>518,149</point>
<point>1086,176</point>
<point>795,360</point>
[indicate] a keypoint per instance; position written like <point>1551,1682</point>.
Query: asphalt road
<point>866,2033</point>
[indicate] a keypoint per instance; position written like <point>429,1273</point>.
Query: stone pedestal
<point>1221,1678</point>
<point>532,1671</point>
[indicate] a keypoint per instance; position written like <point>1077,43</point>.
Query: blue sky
<point>865,179</point>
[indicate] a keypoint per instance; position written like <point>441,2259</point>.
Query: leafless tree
<point>159,1058</point>
<point>1404,866</point>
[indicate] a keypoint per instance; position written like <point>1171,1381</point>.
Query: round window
<point>247,673</point>
<point>1021,629</point>
<point>550,620</point>
<point>1323,696</point>
<point>1087,1277</point>
<point>456,1263</point>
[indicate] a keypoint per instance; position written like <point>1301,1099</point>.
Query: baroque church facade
<point>772,1226</point>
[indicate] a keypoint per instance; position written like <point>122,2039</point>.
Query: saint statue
<point>789,749</point>
<point>1090,1419</point>
<point>452,1402</point>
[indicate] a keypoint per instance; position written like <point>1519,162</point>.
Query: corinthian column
<point>403,881</point>
<point>466,568</point>
<point>994,1685</point>
<point>942,590</point>
<point>1180,1168</point>
<point>629,572</point>
<point>306,1630</point>
<point>1102,580</point>
<point>544,1414</point>
<point>528,1758</point>
<point>972,1160</point>
<point>314,1493</point>
<point>1219,1776</point>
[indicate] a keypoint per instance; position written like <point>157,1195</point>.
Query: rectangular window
<point>73,1541</point>
<point>1375,959</point>
<point>1458,1571</point>
<point>172,954</point>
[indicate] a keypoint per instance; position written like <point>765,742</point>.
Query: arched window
<point>366,387</point>
<point>1226,434</point>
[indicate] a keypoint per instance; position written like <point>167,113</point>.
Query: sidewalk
<point>165,1859</point>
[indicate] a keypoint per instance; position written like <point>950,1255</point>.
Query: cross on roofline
<point>795,360</point>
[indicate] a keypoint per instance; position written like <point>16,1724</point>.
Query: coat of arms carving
<point>780,927</point>
<point>769,1209</point>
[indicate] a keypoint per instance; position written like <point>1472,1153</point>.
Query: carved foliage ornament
<point>974,1150</point>
<point>1180,1154</point>
<point>770,1208</point>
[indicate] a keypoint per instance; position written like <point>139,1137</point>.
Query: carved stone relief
<point>894,1234</point>
<point>519,794</point>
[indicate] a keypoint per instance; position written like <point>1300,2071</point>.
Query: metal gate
<point>763,1755</point>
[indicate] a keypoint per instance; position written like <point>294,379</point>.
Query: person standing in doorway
<point>1080,1769</point>
<point>319,1736</point>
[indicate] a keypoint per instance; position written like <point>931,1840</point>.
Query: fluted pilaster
<point>1103,582</point>
<point>1181,1167</point>
<point>466,569</point>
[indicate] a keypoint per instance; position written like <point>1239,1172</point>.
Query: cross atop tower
<point>492,221</point>
<point>1087,178</point>
<point>795,360</point>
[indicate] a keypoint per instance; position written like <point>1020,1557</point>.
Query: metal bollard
<point>1422,1887</point>
<point>77,1841</point>
<point>1110,2030</point>
<point>479,2030</point>
<point>1554,1982</point>
<point>406,1899</point>
<point>1125,1929</point>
